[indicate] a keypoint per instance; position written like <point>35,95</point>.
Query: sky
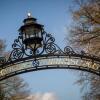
<point>55,16</point>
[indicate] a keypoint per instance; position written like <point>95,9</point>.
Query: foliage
<point>85,34</point>
<point>91,83</point>
<point>13,88</point>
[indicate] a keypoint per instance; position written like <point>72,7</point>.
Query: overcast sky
<point>55,16</point>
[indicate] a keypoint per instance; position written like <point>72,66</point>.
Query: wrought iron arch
<point>49,56</point>
<point>35,49</point>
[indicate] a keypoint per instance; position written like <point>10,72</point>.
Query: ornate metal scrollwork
<point>35,63</point>
<point>2,60</point>
<point>48,47</point>
<point>18,49</point>
<point>68,50</point>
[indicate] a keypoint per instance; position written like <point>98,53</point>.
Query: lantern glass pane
<point>29,31</point>
<point>38,32</point>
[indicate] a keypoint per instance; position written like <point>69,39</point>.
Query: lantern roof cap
<point>29,18</point>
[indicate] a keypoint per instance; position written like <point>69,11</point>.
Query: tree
<point>86,30</point>
<point>85,34</point>
<point>13,88</point>
<point>2,96</point>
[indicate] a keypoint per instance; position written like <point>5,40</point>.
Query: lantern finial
<point>29,14</point>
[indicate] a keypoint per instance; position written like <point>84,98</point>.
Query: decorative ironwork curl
<point>17,54</point>
<point>18,49</point>
<point>2,60</point>
<point>50,48</point>
<point>50,38</point>
<point>17,43</point>
<point>35,63</point>
<point>68,50</point>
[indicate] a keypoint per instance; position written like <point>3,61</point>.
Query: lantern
<point>32,33</point>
